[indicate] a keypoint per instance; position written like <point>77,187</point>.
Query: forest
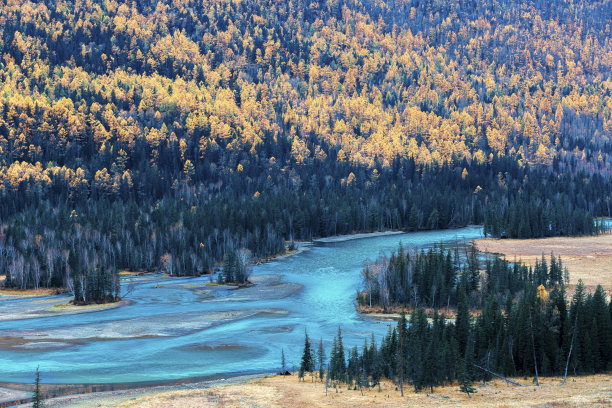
<point>532,337</point>
<point>508,321</point>
<point>174,135</point>
<point>433,279</point>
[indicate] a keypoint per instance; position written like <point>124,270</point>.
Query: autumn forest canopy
<point>172,135</point>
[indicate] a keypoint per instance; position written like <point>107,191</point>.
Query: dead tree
<point>535,361</point>
<point>569,355</point>
<point>498,375</point>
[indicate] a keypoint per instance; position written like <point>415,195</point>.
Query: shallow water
<point>178,343</point>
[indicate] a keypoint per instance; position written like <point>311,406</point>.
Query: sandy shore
<point>280,391</point>
<point>587,258</point>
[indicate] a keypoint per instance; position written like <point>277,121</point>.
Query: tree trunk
<point>569,355</point>
<point>498,375</point>
<point>535,362</point>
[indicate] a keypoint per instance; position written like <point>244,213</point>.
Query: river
<point>160,336</point>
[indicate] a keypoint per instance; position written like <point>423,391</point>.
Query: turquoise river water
<point>162,333</point>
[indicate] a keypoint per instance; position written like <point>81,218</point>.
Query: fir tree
<point>464,379</point>
<point>401,351</point>
<point>283,362</point>
<point>462,321</point>
<point>321,359</point>
<point>37,397</point>
<point>307,364</point>
<point>337,362</point>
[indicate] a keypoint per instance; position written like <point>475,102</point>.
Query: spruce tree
<point>463,376</point>
<point>401,351</point>
<point>307,364</point>
<point>321,358</point>
<point>432,367</point>
<point>376,362</point>
<point>283,362</point>
<point>462,321</point>
<point>332,367</point>
<point>603,334</point>
<point>340,359</point>
<point>37,397</point>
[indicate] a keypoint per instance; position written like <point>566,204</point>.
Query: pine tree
<point>321,359</point>
<point>462,321</point>
<point>37,397</point>
<point>307,364</point>
<point>340,358</point>
<point>401,351</point>
<point>283,362</point>
<point>464,379</point>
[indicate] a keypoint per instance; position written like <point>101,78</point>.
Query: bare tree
<point>569,355</point>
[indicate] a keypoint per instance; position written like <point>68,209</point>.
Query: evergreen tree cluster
<point>433,278</point>
<point>236,266</point>
<point>534,218</point>
<point>529,336</point>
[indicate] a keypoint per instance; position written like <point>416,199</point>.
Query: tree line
<point>535,218</point>
<point>189,230</point>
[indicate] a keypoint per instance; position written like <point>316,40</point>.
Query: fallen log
<point>498,376</point>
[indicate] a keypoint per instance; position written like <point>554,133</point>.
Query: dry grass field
<point>278,391</point>
<point>587,258</point>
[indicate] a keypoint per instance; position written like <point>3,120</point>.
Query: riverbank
<point>69,308</point>
<point>394,314</point>
<point>27,293</point>
<point>287,391</point>
<point>300,246</point>
<point>128,276</point>
<point>349,237</point>
<point>587,258</point>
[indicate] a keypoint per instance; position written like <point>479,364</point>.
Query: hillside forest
<point>176,135</point>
